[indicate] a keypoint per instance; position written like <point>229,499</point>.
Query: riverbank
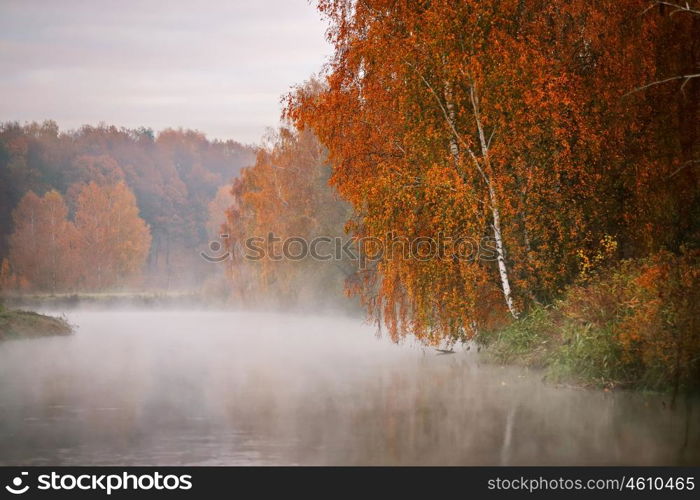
<point>567,353</point>
<point>16,324</point>
<point>101,300</point>
<point>632,326</point>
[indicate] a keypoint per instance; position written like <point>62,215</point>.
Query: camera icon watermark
<point>215,247</point>
<point>16,487</point>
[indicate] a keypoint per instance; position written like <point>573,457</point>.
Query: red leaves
<point>399,120</point>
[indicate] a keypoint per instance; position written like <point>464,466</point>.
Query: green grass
<point>569,351</point>
<point>528,341</point>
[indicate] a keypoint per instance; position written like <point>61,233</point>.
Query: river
<point>210,388</point>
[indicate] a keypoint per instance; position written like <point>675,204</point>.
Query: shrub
<point>636,324</point>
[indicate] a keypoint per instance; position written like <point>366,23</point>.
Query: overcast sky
<point>216,66</point>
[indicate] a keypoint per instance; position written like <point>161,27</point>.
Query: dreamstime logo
<point>16,487</point>
<point>360,251</point>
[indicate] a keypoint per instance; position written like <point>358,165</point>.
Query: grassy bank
<point>568,351</point>
<point>16,324</point>
<point>634,326</point>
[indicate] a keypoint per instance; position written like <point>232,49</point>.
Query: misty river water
<point>203,387</point>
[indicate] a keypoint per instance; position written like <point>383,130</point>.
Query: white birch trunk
<point>501,259</point>
<point>484,170</point>
<point>495,213</point>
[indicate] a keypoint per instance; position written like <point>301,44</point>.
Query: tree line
<point>105,245</point>
<point>80,186</point>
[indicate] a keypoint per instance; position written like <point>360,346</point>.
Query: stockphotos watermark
<point>99,483</point>
<point>361,251</point>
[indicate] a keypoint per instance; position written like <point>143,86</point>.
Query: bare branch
<point>686,164</point>
<point>457,135</point>
<point>674,6</point>
<point>687,78</point>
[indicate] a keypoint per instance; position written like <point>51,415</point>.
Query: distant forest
<point>174,176</point>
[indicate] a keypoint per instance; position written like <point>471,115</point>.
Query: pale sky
<point>216,66</point>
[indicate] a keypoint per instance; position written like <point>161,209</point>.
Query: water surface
<point>175,388</point>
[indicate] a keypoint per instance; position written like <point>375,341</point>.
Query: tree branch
<point>686,79</point>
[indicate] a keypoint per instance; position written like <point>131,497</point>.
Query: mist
<point>144,387</point>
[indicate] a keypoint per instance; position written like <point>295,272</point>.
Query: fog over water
<point>207,387</point>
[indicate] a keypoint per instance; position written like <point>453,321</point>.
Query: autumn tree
<point>217,211</point>
<point>505,120</point>
<point>100,169</point>
<point>43,242</point>
<point>113,240</point>
<point>286,195</point>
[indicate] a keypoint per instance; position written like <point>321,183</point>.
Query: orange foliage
<point>105,246</point>
<point>113,240</point>
<point>648,308</point>
<point>508,119</point>
<point>285,194</point>
<point>661,322</point>
<point>43,240</point>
